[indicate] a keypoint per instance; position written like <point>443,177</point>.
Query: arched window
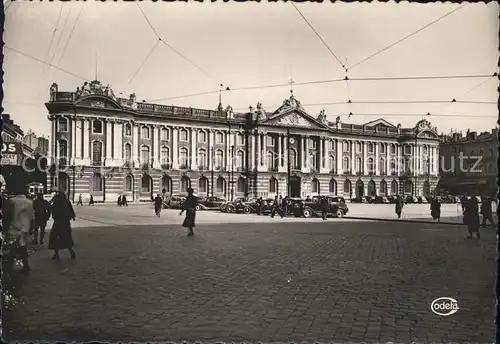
<point>202,185</point>
<point>183,157</point>
<point>165,155</point>
<point>394,187</point>
<point>393,166</point>
<point>332,188</point>
<point>358,164</point>
<point>331,163</point>
<point>293,159</point>
<point>97,182</point>
<point>241,185</point>
<point>345,164</point>
<point>145,183</point>
<point>382,148</point>
<point>97,153</point>
<point>128,130</point>
<point>145,155</point>
<point>408,187</point>
<point>240,139</point>
<point>371,165</point>
<point>347,186</point>
<point>383,187</point>
<point>185,184</point>
<point>166,183</point>
<point>128,152</point>
<point>219,159</point>
<point>273,185</point>
<point>220,185</point>
<point>165,134</point>
<point>270,160</point>
<point>183,135</point>
<point>370,147</point>
<point>393,148</point>
<point>315,186</point>
<point>219,138</point>
<point>382,166</point>
<point>97,126</point>
<point>202,136</point>
<point>240,160</point>
<point>345,146</point>
<point>202,159</point>
<point>407,166</point>
<point>424,149</point>
<point>358,147</point>
<point>145,132</point>
<point>63,149</point>
<point>62,124</point>
<point>128,183</point>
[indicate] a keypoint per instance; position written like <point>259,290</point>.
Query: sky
<point>244,45</point>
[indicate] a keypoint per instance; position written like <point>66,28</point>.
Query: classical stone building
<point>105,146</point>
<point>469,163</point>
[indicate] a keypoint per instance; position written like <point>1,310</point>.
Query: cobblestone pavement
<point>322,281</point>
<point>142,214</point>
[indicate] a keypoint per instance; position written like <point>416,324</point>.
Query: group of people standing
<point>23,217</point>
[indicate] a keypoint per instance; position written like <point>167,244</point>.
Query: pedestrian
<point>486,211</point>
<point>463,201</point>
<point>80,200</point>
<point>436,209</point>
<point>42,215</point>
<point>276,208</point>
<point>17,221</point>
<point>189,206</point>
<point>61,235</point>
<point>158,204</point>
<point>258,206</point>
<point>91,201</point>
<point>399,205</point>
<point>119,201</point>
<point>284,206</point>
<point>324,207</point>
<point>124,201</point>
<point>471,217</point>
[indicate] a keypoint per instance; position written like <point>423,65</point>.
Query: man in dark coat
<point>399,206</point>
<point>258,206</point>
<point>276,208</point>
<point>486,211</point>
<point>324,207</point>
<point>284,205</point>
<point>471,217</point>
<point>42,215</point>
<point>158,205</point>
<point>436,209</point>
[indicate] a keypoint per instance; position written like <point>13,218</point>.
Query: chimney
<point>473,135</point>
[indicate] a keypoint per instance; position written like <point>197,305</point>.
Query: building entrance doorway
<point>294,187</point>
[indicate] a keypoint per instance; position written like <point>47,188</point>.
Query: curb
<point>403,220</point>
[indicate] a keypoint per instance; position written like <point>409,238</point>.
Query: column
<point>352,164</point>
<point>377,158</point>
<point>107,157</point>
<point>339,168</point>
<point>319,164</point>
<point>399,160</point>
<point>78,139</point>
<point>285,153</point>
<point>420,152</point>
<point>387,160</point>
<point>135,145</point>
<point>252,156</point>
<point>259,150</point>
<point>211,148</point>
<point>118,140</point>
<point>155,137</point>
<point>264,151</point>
<point>280,152</point>
<point>306,151</point>
<point>175,148</point>
<point>365,158</point>
<point>326,155</point>
<point>86,142</point>
<point>194,155</point>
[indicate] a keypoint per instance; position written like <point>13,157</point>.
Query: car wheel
<point>247,210</point>
<point>197,207</point>
<point>340,213</point>
<point>229,209</point>
<point>307,213</point>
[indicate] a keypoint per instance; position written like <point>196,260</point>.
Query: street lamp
<point>250,125</point>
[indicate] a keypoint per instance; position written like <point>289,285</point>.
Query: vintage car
<point>381,200</point>
<point>409,199</point>
<point>211,202</point>
<point>309,208</point>
<point>174,201</point>
<point>422,199</point>
<point>239,205</point>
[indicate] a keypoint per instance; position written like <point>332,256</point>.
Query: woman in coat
<point>60,236</point>
<point>189,206</point>
<point>471,217</point>
<point>399,205</point>
<point>436,209</point>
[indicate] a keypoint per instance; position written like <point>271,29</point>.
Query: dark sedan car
<point>337,207</point>
<point>212,202</point>
<point>381,200</point>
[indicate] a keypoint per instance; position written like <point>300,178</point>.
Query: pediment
<point>98,101</point>
<point>380,123</point>
<point>427,134</point>
<point>295,118</point>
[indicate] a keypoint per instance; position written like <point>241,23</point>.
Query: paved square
<point>278,280</point>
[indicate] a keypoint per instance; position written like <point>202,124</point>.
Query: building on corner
<point>106,146</point>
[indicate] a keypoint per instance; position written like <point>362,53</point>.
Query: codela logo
<point>444,306</point>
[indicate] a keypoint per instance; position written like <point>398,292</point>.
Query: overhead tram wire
<point>403,115</point>
<point>71,33</point>
<point>406,37</point>
<point>45,63</point>
<point>144,61</point>
<point>160,39</point>
<point>319,36</point>
<point>332,81</point>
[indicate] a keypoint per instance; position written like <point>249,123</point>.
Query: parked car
<point>337,207</point>
<point>382,200</point>
<point>422,199</point>
<point>359,199</point>
<point>392,198</point>
<point>174,201</point>
<point>239,205</point>
<point>370,199</point>
<point>411,199</point>
<point>212,202</point>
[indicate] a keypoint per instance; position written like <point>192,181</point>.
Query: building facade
<point>469,163</point>
<point>106,146</point>
<point>38,144</point>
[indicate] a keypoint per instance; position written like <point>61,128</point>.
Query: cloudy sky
<point>258,44</point>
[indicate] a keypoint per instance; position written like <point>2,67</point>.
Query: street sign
<point>9,159</point>
<point>12,148</point>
